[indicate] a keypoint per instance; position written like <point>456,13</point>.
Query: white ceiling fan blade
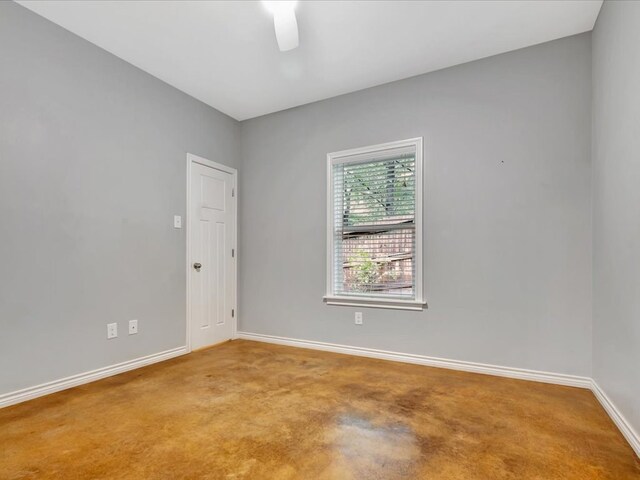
<point>286,27</point>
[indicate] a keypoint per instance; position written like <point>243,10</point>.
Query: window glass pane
<point>379,263</point>
<point>377,192</point>
<point>374,219</point>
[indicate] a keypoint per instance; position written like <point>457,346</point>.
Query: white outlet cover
<point>358,318</point>
<point>112,330</point>
<point>133,327</point>
<point>177,221</point>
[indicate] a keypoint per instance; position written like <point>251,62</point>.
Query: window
<point>374,233</point>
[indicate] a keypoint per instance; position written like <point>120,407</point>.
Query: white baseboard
<point>625,428</point>
<point>519,373</point>
<point>86,377</point>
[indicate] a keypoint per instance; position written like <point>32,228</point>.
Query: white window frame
<point>331,298</point>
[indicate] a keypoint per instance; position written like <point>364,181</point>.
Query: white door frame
<point>191,159</point>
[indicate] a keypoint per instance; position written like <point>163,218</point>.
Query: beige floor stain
<point>246,410</point>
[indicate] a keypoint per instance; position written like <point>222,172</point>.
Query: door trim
<point>191,159</point>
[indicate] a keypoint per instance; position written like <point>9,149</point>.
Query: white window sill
<point>376,303</point>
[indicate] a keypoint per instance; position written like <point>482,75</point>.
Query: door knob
<point>197,266</point>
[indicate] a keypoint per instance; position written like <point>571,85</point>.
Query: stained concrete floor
<point>246,410</point>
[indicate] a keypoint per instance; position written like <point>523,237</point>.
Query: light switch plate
<point>177,221</point>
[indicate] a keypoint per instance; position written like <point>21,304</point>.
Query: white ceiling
<point>225,53</point>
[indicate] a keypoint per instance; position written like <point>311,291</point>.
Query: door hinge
<point>233,252</point>
<point>233,192</point>
<point>233,313</point>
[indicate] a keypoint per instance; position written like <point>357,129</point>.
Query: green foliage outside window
<point>380,191</point>
<point>366,270</point>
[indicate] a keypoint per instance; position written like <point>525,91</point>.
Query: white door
<point>212,254</point>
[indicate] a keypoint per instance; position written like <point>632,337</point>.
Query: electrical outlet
<point>177,221</point>
<point>133,327</point>
<point>358,318</point>
<point>112,330</point>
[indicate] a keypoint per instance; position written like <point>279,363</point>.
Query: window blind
<point>374,225</point>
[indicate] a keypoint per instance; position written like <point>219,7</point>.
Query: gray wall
<point>92,170</point>
<point>616,205</point>
<point>507,211</point>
